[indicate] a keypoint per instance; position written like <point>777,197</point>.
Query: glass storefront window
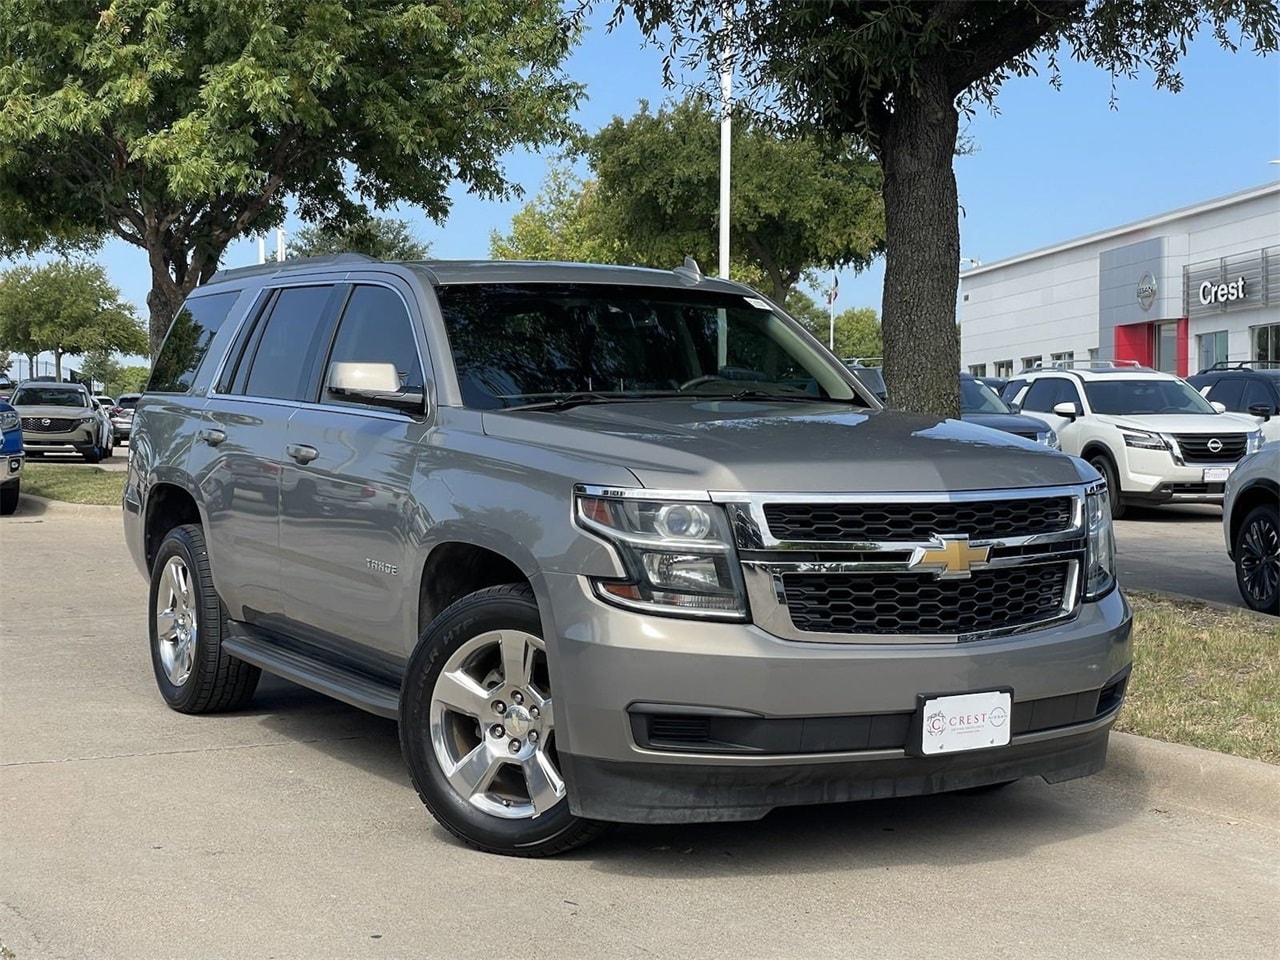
<point>1004,368</point>
<point>978,369</point>
<point>1211,348</point>
<point>1265,342</point>
<point>1167,347</point>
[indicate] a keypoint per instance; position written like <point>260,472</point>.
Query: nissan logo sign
<point>1214,445</point>
<point>1147,291</point>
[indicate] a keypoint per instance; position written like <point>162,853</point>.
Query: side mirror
<point>1263,410</point>
<point>377,384</point>
<point>1219,407</point>
<point>1015,407</point>
<point>1067,408</point>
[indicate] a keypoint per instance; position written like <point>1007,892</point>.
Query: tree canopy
<point>65,307</point>
<point>181,126</point>
<point>382,237</point>
<point>857,329</point>
<point>795,204</point>
<point>563,222</point>
<point>898,74</point>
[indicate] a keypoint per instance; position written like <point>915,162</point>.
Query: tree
<point>100,366</point>
<point>6,361</point>
<point>899,74</point>
<point>131,380</point>
<point>181,126</point>
<point>563,222</point>
<point>380,237</point>
<point>65,307</point>
<point>857,328</point>
<point>796,204</point>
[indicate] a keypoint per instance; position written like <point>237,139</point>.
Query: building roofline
<point>1202,207</point>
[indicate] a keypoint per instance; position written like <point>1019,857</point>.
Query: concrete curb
<point>1201,780</point>
<point>1211,604</point>
<point>31,507</point>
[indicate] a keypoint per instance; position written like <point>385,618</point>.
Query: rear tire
<point>9,494</point>
<point>188,622</point>
<point>1102,463</point>
<point>476,728</point>
<point>1257,559</point>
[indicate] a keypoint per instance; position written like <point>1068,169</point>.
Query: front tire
<point>1102,463</point>
<point>93,454</point>
<point>1257,559</point>
<point>188,622</point>
<point>477,728</point>
<point>9,494</point>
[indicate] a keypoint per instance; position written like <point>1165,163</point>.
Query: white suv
<point>1150,434</point>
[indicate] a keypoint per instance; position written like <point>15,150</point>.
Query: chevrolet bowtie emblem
<point>952,557</point>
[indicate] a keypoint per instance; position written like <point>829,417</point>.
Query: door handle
<point>212,436</point>
<point>302,452</point>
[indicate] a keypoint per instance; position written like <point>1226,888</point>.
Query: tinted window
<point>1011,390</point>
<point>50,397</point>
<point>1256,392</point>
<point>1047,393</point>
<point>519,344</point>
<point>128,402</point>
<point>1120,397</point>
<point>188,340</point>
<point>376,328</point>
<point>285,349</point>
<point>977,397</point>
<point>1228,392</point>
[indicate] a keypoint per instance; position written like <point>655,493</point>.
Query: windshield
<point>1132,397</point>
<point>518,344</point>
<point>127,403</point>
<point>49,397</point>
<point>977,397</point>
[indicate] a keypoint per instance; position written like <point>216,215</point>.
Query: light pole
<point>726,103</point>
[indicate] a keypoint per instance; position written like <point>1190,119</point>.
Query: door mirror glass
<point>1066,409</point>
<point>374,383</point>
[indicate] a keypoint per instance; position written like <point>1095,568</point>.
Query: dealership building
<point>1179,292</point>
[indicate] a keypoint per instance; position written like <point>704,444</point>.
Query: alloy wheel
<point>1259,558</point>
<point>177,628</point>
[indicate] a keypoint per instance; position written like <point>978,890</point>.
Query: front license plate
<point>969,721</point>
<point>1216,474</point>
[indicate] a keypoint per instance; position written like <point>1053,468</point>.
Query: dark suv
<point>1245,386</point>
<point>610,544</point>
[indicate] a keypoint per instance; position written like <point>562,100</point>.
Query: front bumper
<point>11,467</point>
<point>1153,476</point>
<point>613,665</point>
<point>80,440</point>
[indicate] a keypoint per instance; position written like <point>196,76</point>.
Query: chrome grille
<point>1196,448</point>
<point>904,522</point>
<point>55,424</point>
<point>908,603</point>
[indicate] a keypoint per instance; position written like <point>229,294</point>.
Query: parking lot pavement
<point>1176,549</point>
<point>118,462</point>
<point>291,830</point>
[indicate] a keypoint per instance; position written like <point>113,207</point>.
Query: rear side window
<point>188,340</point>
<point>285,351</point>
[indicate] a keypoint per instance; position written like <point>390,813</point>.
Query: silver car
<point>610,545</point>
<point>62,418</point>
<point>1251,523</point>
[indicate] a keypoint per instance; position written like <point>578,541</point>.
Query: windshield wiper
<point>752,394</point>
<point>585,397</point>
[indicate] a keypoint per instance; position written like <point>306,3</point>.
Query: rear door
<point>347,560</point>
<point>236,455</point>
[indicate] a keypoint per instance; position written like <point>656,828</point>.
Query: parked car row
<point>63,418</point>
<point>11,450</point>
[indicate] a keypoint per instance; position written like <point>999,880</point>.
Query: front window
<point>977,397</point>
<point>520,344</point>
<point>48,397</point>
<point>1144,397</point>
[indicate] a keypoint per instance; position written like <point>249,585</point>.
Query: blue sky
<point>1051,165</point>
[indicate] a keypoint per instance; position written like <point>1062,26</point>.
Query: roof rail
<point>275,266</point>
<point>1243,365</point>
<point>1081,365</point>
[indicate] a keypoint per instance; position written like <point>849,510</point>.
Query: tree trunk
<point>57,365</point>
<point>162,304</point>
<point>922,239</point>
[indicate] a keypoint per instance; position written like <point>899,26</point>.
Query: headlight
<point>1049,438</point>
<point>88,419</point>
<point>678,555</point>
<point>1144,441</point>
<point>1100,553</point>
<point>9,420</point>
<point>1254,442</point>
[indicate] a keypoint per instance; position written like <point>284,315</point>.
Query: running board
<point>357,689</point>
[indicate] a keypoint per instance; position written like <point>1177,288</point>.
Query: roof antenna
<point>689,270</point>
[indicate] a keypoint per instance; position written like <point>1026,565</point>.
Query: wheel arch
<point>456,567</point>
<point>1260,493</point>
<point>169,505</point>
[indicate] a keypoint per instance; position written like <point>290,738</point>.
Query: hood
<point>766,447</point>
<point>1184,423</point>
<point>1008,422</point>
<point>54,413</point>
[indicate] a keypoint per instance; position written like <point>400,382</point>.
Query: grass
<point>74,484</point>
<point>1205,677</point>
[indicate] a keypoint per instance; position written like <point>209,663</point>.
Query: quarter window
<point>376,328</point>
<point>285,351</point>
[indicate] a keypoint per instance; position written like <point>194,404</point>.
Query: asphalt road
<point>1176,549</point>
<point>290,830</point>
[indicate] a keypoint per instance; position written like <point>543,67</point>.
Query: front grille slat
<point>55,424</point>
<point>1196,447</point>
<point>914,603</point>
<point>898,522</point>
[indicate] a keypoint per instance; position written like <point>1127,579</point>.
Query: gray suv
<point>610,544</point>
